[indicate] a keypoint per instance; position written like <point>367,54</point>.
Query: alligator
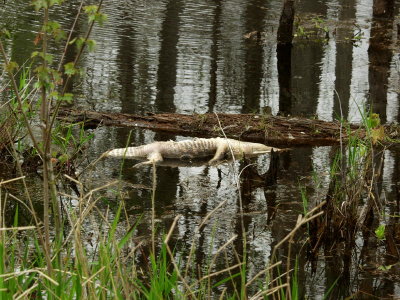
<point>187,150</point>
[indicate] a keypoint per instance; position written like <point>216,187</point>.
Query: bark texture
<point>272,130</point>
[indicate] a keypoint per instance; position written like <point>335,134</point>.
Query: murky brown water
<point>191,56</point>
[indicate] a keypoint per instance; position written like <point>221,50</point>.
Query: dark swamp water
<point>198,56</point>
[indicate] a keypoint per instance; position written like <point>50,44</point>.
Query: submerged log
<point>272,130</point>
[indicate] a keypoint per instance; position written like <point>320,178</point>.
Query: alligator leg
<point>153,158</point>
<point>219,155</point>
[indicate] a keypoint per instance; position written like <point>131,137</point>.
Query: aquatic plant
<point>352,200</point>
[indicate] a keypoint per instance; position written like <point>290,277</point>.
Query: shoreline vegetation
<point>48,250</point>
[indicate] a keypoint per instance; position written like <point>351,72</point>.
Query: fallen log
<point>272,130</point>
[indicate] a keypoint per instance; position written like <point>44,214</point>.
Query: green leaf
<point>79,42</point>
<point>91,44</point>
<point>5,32</point>
<point>380,232</point>
<point>54,28</point>
<point>11,66</point>
<point>94,15</point>
<point>385,268</point>
<point>53,2</point>
<point>39,4</point>
<point>100,18</point>
<point>67,97</point>
<point>34,54</point>
<point>48,58</point>
<point>91,18</point>
<point>69,69</point>
<point>377,134</point>
<point>63,158</point>
<point>50,26</point>
<point>44,76</point>
<point>231,277</point>
<point>56,77</point>
<point>374,120</point>
<point>72,41</point>
<point>128,235</point>
<point>54,95</point>
<point>91,9</point>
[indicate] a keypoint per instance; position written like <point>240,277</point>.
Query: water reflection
<point>255,19</point>
<point>190,56</point>
<point>168,56</point>
<point>344,60</point>
<point>380,56</point>
<point>214,55</point>
<point>221,56</point>
<point>359,71</point>
<point>392,108</point>
<point>327,80</point>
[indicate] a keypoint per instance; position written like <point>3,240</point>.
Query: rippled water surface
<point>198,56</point>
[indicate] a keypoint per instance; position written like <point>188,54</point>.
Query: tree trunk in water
<point>380,55</point>
<point>285,30</point>
<point>284,55</point>
<point>383,8</point>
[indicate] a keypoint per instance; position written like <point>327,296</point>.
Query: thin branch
<point>70,36</point>
<point>88,33</point>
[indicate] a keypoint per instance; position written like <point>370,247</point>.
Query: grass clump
<point>353,198</point>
